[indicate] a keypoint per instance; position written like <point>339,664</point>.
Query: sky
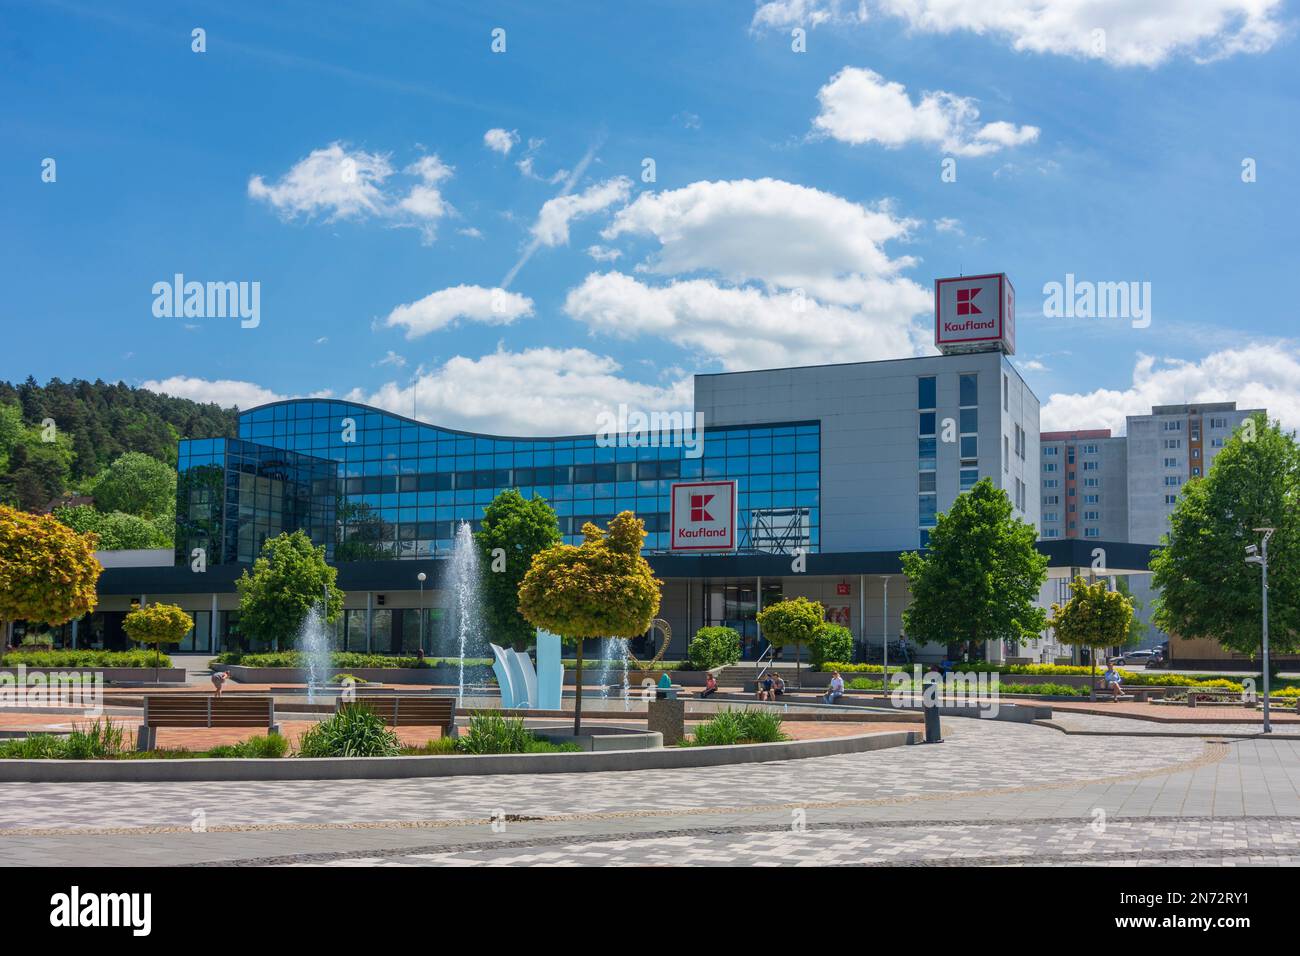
<point>512,217</point>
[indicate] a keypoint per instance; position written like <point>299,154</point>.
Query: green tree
<point>793,621</point>
<point>11,430</point>
<point>515,529</point>
<point>136,484</point>
<point>289,578</point>
<point>831,643</point>
<point>1095,617</point>
<point>48,572</point>
<point>713,647</point>
<point>980,578</point>
<point>600,588</point>
<point>117,531</point>
<point>157,624</point>
<point>1206,588</point>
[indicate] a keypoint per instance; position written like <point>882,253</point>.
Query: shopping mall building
<point>805,481</point>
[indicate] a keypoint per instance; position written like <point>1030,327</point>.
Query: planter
<point>113,675</point>
<point>424,676</point>
<point>604,738</point>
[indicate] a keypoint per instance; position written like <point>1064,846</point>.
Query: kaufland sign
<point>975,313</point>
<point>704,516</point>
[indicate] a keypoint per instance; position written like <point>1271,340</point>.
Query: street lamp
<point>421,577</point>
<point>1259,555</point>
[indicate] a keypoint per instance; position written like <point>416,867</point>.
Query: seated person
<point>710,685</point>
<point>778,685</point>
<point>836,690</point>
<point>1111,681</point>
<point>765,689</point>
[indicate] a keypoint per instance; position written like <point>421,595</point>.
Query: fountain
<point>469,609</point>
<point>313,641</point>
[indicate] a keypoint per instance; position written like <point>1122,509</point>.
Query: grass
<point>730,727</point>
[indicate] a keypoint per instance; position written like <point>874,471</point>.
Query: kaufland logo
<point>966,301</point>
<point>970,325</point>
<point>704,516</point>
<point>698,504</point>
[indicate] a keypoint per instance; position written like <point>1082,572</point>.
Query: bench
<point>203,710</point>
<point>398,711</point>
<point>1102,690</point>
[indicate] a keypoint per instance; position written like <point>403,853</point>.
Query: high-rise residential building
<point>1166,448</point>
<point>1084,482</point>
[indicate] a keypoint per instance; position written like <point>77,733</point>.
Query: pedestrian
<point>219,680</point>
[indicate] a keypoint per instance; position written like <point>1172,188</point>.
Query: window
<point>1216,442</point>
<point>1006,456</point>
<point>1092,516</point>
<point>1171,499</point>
<point>926,481</point>
<point>928,506</point>
<point>1173,481</point>
<point>969,476</point>
<point>1171,426</point>
<point>926,392</point>
<point>1196,453</point>
<point>1006,392</point>
<point>1091,499</point>
<point>1051,482</point>
<point>1049,467</point>
<point>1196,472</point>
<point>968,390</point>
<point>1218,423</point>
<point>1091,465</point>
<point>1051,451</point>
<point>1090,449</point>
<point>927,423</point>
<point>1092,482</point>
<point>1051,499</point>
<point>1051,533</point>
<point>1051,516</point>
<point>1171,462</point>
<point>1173,443</point>
<point>1091,533</point>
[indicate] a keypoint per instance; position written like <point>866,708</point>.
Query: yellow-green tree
<point>47,571</point>
<point>1094,617</point>
<point>794,621</point>
<point>157,624</point>
<point>600,588</point>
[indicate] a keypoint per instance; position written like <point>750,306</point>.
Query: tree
<point>11,430</point>
<point>713,647</point>
<point>1206,588</point>
<point>600,588</point>
<point>136,484</point>
<point>116,531</point>
<point>157,624</point>
<point>47,571</point>
<point>831,643</point>
<point>521,528</point>
<point>980,579</point>
<point>1094,617</point>
<point>793,621</point>
<point>289,578</point>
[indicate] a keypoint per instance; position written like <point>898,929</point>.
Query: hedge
<point>85,658</point>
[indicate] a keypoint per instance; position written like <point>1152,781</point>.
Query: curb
<point>394,768</point>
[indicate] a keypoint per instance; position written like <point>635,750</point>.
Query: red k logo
<point>698,504</point>
<point>966,302</point>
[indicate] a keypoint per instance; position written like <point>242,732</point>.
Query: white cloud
<point>1259,375</point>
<point>391,358</point>
<point>525,167</point>
<point>470,232</point>
<point>437,310</point>
<point>539,391</point>
<point>603,253</point>
<point>339,183</point>
<point>861,106</point>
<point>767,230</point>
<point>778,14</point>
<point>501,140</point>
<point>552,226</point>
<point>1128,33</point>
<point>224,392</point>
<point>745,328</point>
<point>332,181</point>
<point>948,224</point>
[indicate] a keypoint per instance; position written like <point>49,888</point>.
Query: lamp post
<point>1259,556</point>
<point>884,641</point>
<point>420,577</point>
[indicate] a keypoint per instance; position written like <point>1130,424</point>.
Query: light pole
<point>1260,556</point>
<point>884,640</point>
<point>420,577</point>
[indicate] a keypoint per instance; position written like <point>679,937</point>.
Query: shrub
<point>865,683</point>
<point>495,734</point>
<point>831,642</point>
<point>262,747</point>
<point>353,731</point>
<point>729,727</point>
<point>84,658</point>
<point>713,647</point>
<point>95,741</point>
<point>340,678</point>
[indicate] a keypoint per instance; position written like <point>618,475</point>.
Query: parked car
<point>1139,657</point>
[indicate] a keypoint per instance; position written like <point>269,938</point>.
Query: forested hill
<point>95,423</point>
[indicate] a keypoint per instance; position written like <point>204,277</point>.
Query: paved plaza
<point>994,792</point>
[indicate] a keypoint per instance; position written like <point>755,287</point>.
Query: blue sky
<point>338,156</point>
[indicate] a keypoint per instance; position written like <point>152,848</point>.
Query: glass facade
<point>369,484</point>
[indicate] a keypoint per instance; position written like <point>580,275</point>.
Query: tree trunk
<point>1092,683</point>
<point>798,666</point>
<point>577,699</point>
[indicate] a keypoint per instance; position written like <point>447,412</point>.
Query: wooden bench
<point>1103,690</point>
<point>398,711</point>
<point>203,710</point>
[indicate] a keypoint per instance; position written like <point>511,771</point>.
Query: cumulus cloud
<point>746,328</point>
<point>770,231</point>
<point>861,106</point>
<point>603,253</point>
<point>1131,33</point>
<point>552,226</point>
<point>1260,375</point>
<point>228,393</point>
<point>550,392</point>
<point>339,183</point>
<point>437,310</point>
<point>501,140</point>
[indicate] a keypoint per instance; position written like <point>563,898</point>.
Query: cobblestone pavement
<point>1098,723</point>
<point>992,789</point>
